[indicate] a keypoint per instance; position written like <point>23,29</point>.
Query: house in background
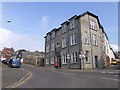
<point>81,35</point>
<point>7,52</point>
<point>34,58</point>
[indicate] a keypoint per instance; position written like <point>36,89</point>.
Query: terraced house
<point>81,35</point>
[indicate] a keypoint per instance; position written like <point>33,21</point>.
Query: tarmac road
<point>12,76</point>
<point>43,77</point>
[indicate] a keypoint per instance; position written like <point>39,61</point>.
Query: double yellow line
<point>22,80</point>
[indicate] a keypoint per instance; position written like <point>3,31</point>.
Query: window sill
<point>86,43</point>
<point>93,29</point>
<point>64,32</point>
<point>72,28</point>
<point>73,62</point>
<point>64,63</point>
<point>53,51</point>
<point>64,47</point>
<point>74,44</point>
<point>95,45</point>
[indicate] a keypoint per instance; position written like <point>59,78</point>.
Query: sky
<point>30,21</point>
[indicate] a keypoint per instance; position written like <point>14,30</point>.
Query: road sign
<point>81,56</point>
<point>68,56</point>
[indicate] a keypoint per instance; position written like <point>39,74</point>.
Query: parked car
<point>118,61</point>
<point>5,61</point>
<point>15,63</point>
<point>113,62</point>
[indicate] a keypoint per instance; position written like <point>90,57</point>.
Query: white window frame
<point>87,56</point>
<point>94,39</point>
<point>47,61</point>
<point>74,57</point>
<point>52,46</point>
<point>53,34</point>
<point>86,38</point>
<point>64,28</point>
<point>52,60</point>
<point>90,24</point>
<point>48,37</point>
<point>64,42</point>
<point>47,48</point>
<point>93,25</point>
<point>72,24</point>
<point>73,39</point>
<point>64,58</point>
<point>103,46</point>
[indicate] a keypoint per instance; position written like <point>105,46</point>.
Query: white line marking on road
<point>22,80</point>
<point>88,76</point>
<point>111,79</point>
<point>117,75</point>
<point>108,72</point>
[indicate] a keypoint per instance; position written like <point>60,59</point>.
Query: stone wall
<point>36,61</point>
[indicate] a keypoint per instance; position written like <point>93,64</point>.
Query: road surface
<point>43,77</point>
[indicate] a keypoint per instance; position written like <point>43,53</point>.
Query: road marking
<point>117,75</point>
<point>107,72</point>
<point>88,76</point>
<point>22,80</point>
<point>111,79</point>
<point>69,74</point>
<point>29,65</point>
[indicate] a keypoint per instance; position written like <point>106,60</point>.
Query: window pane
<point>47,61</point>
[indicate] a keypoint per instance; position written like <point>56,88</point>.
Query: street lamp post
<point>68,58</point>
<point>82,57</point>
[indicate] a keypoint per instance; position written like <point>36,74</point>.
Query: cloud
<point>115,47</point>
<point>44,21</point>
<point>19,41</point>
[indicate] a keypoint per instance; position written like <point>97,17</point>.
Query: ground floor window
<point>64,58</point>
<point>47,61</point>
<point>74,57</point>
<point>87,56</point>
<point>52,60</point>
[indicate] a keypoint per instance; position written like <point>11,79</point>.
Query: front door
<point>96,61</point>
<point>59,62</point>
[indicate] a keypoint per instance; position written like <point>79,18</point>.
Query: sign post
<point>68,58</point>
<point>82,57</point>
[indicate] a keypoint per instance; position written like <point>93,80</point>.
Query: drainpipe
<point>80,45</point>
<point>91,44</point>
<point>68,49</point>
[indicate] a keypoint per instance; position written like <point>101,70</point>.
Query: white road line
<point>111,79</point>
<point>22,80</point>
<point>117,75</point>
<point>88,76</point>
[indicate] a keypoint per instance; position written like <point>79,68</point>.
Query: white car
<point>2,59</point>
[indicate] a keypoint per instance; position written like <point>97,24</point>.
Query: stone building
<point>7,52</point>
<point>78,43</point>
<point>34,58</point>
